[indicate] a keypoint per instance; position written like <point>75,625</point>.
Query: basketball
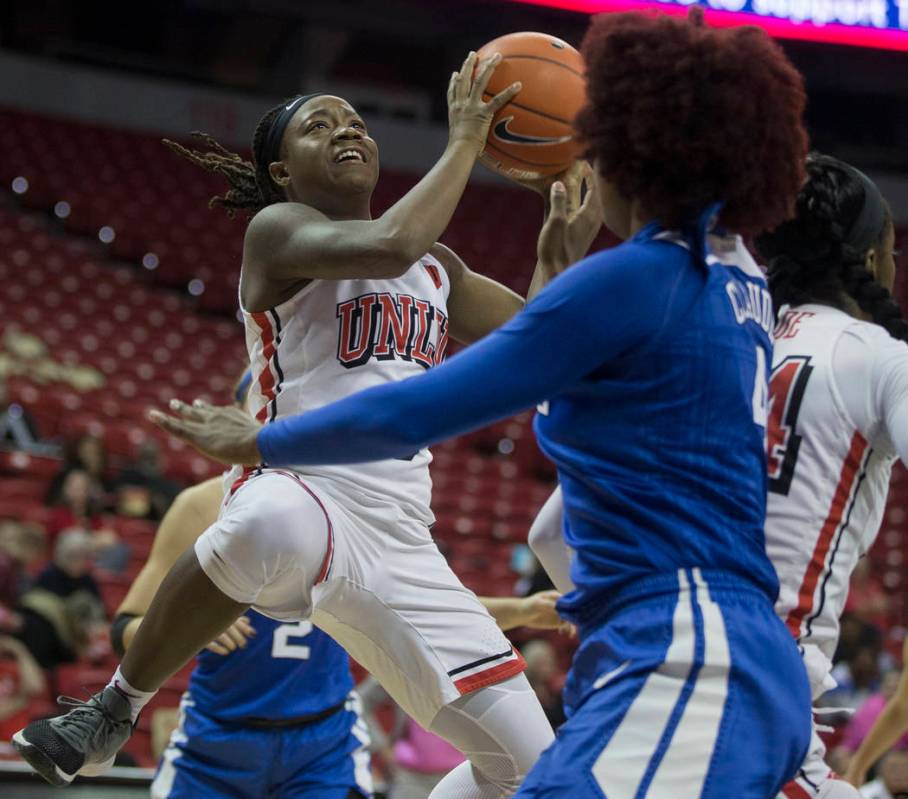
<point>532,136</point>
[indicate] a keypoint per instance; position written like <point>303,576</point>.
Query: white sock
<point>137,699</point>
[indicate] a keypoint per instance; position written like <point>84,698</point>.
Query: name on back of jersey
<point>389,326</point>
<point>751,302</point>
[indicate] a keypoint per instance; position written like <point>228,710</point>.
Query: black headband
<point>865,231</point>
<point>271,150</point>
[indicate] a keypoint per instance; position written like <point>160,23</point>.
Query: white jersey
<point>837,384</point>
<point>336,337</point>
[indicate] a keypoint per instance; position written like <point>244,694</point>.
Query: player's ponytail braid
<point>819,257</point>
<point>874,300</point>
<point>251,185</point>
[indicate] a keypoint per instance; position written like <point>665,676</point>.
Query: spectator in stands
<point>856,679</point>
<point>64,616</point>
<point>70,570</point>
<point>543,674</point>
<point>21,681</point>
<point>88,454</point>
<point>893,780</point>
<point>78,505</point>
<point>866,598</point>
<point>142,489</point>
<point>861,722</point>
<point>79,508</point>
<point>17,427</point>
<point>21,546</point>
<point>856,634</point>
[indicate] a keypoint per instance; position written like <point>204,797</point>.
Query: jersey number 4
<point>786,390</point>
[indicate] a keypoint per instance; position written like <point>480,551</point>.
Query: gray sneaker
<point>84,741</point>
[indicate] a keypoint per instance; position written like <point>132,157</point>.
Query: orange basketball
<point>532,135</point>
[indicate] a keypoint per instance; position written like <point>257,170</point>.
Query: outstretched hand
<point>225,434</point>
<point>571,225</point>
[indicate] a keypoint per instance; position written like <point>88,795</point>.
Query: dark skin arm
<point>229,434</point>
<point>477,305</point>
<point>288,244</point>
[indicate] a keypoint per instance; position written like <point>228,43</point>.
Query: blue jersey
<point>286,671</point>
<point>654,356</point>
<point>661,450</point>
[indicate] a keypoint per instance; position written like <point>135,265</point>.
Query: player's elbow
<point>397,248</point>
<point>546,530</point>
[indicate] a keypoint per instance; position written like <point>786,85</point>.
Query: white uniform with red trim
<point>836,390</point>
<point>337,337</point>
<point>349,546</point>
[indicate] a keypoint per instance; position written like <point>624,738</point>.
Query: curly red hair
<point>680,115</point>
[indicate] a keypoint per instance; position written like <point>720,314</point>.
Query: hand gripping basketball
<point>226,434</point>
<point>469,116</point>
<point>571,225</point>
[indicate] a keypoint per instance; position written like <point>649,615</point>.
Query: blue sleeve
<point>596,311</point>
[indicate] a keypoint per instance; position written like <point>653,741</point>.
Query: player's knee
<point>287,526</point>
<point>261,540</point>
<point>501,729</point>
<point>501,770</point>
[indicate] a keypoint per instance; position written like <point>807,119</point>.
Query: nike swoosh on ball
<point>503,133</point>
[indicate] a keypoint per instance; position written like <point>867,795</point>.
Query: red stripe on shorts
<point>491,675</point>
<point>815,568</point>
<point>795,791</point>
<point>329,550</point>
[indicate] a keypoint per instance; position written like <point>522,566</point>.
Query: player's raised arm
<point>317,153</point>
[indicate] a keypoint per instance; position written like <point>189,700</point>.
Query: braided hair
<point>819,255</point>
<point>251,186</point>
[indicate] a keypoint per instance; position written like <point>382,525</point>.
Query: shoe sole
<point>50,771</point>
<point>40,761</point>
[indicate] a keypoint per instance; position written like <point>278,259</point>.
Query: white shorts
<point>815,780</point>
<point>371,578</point>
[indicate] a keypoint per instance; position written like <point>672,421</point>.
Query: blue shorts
<point>208,759</point>
<point>690,688</point>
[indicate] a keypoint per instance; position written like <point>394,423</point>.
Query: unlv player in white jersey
<point>334,301</point>
<point>838,413</point>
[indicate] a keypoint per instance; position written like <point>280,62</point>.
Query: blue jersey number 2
<point>282,647</point>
